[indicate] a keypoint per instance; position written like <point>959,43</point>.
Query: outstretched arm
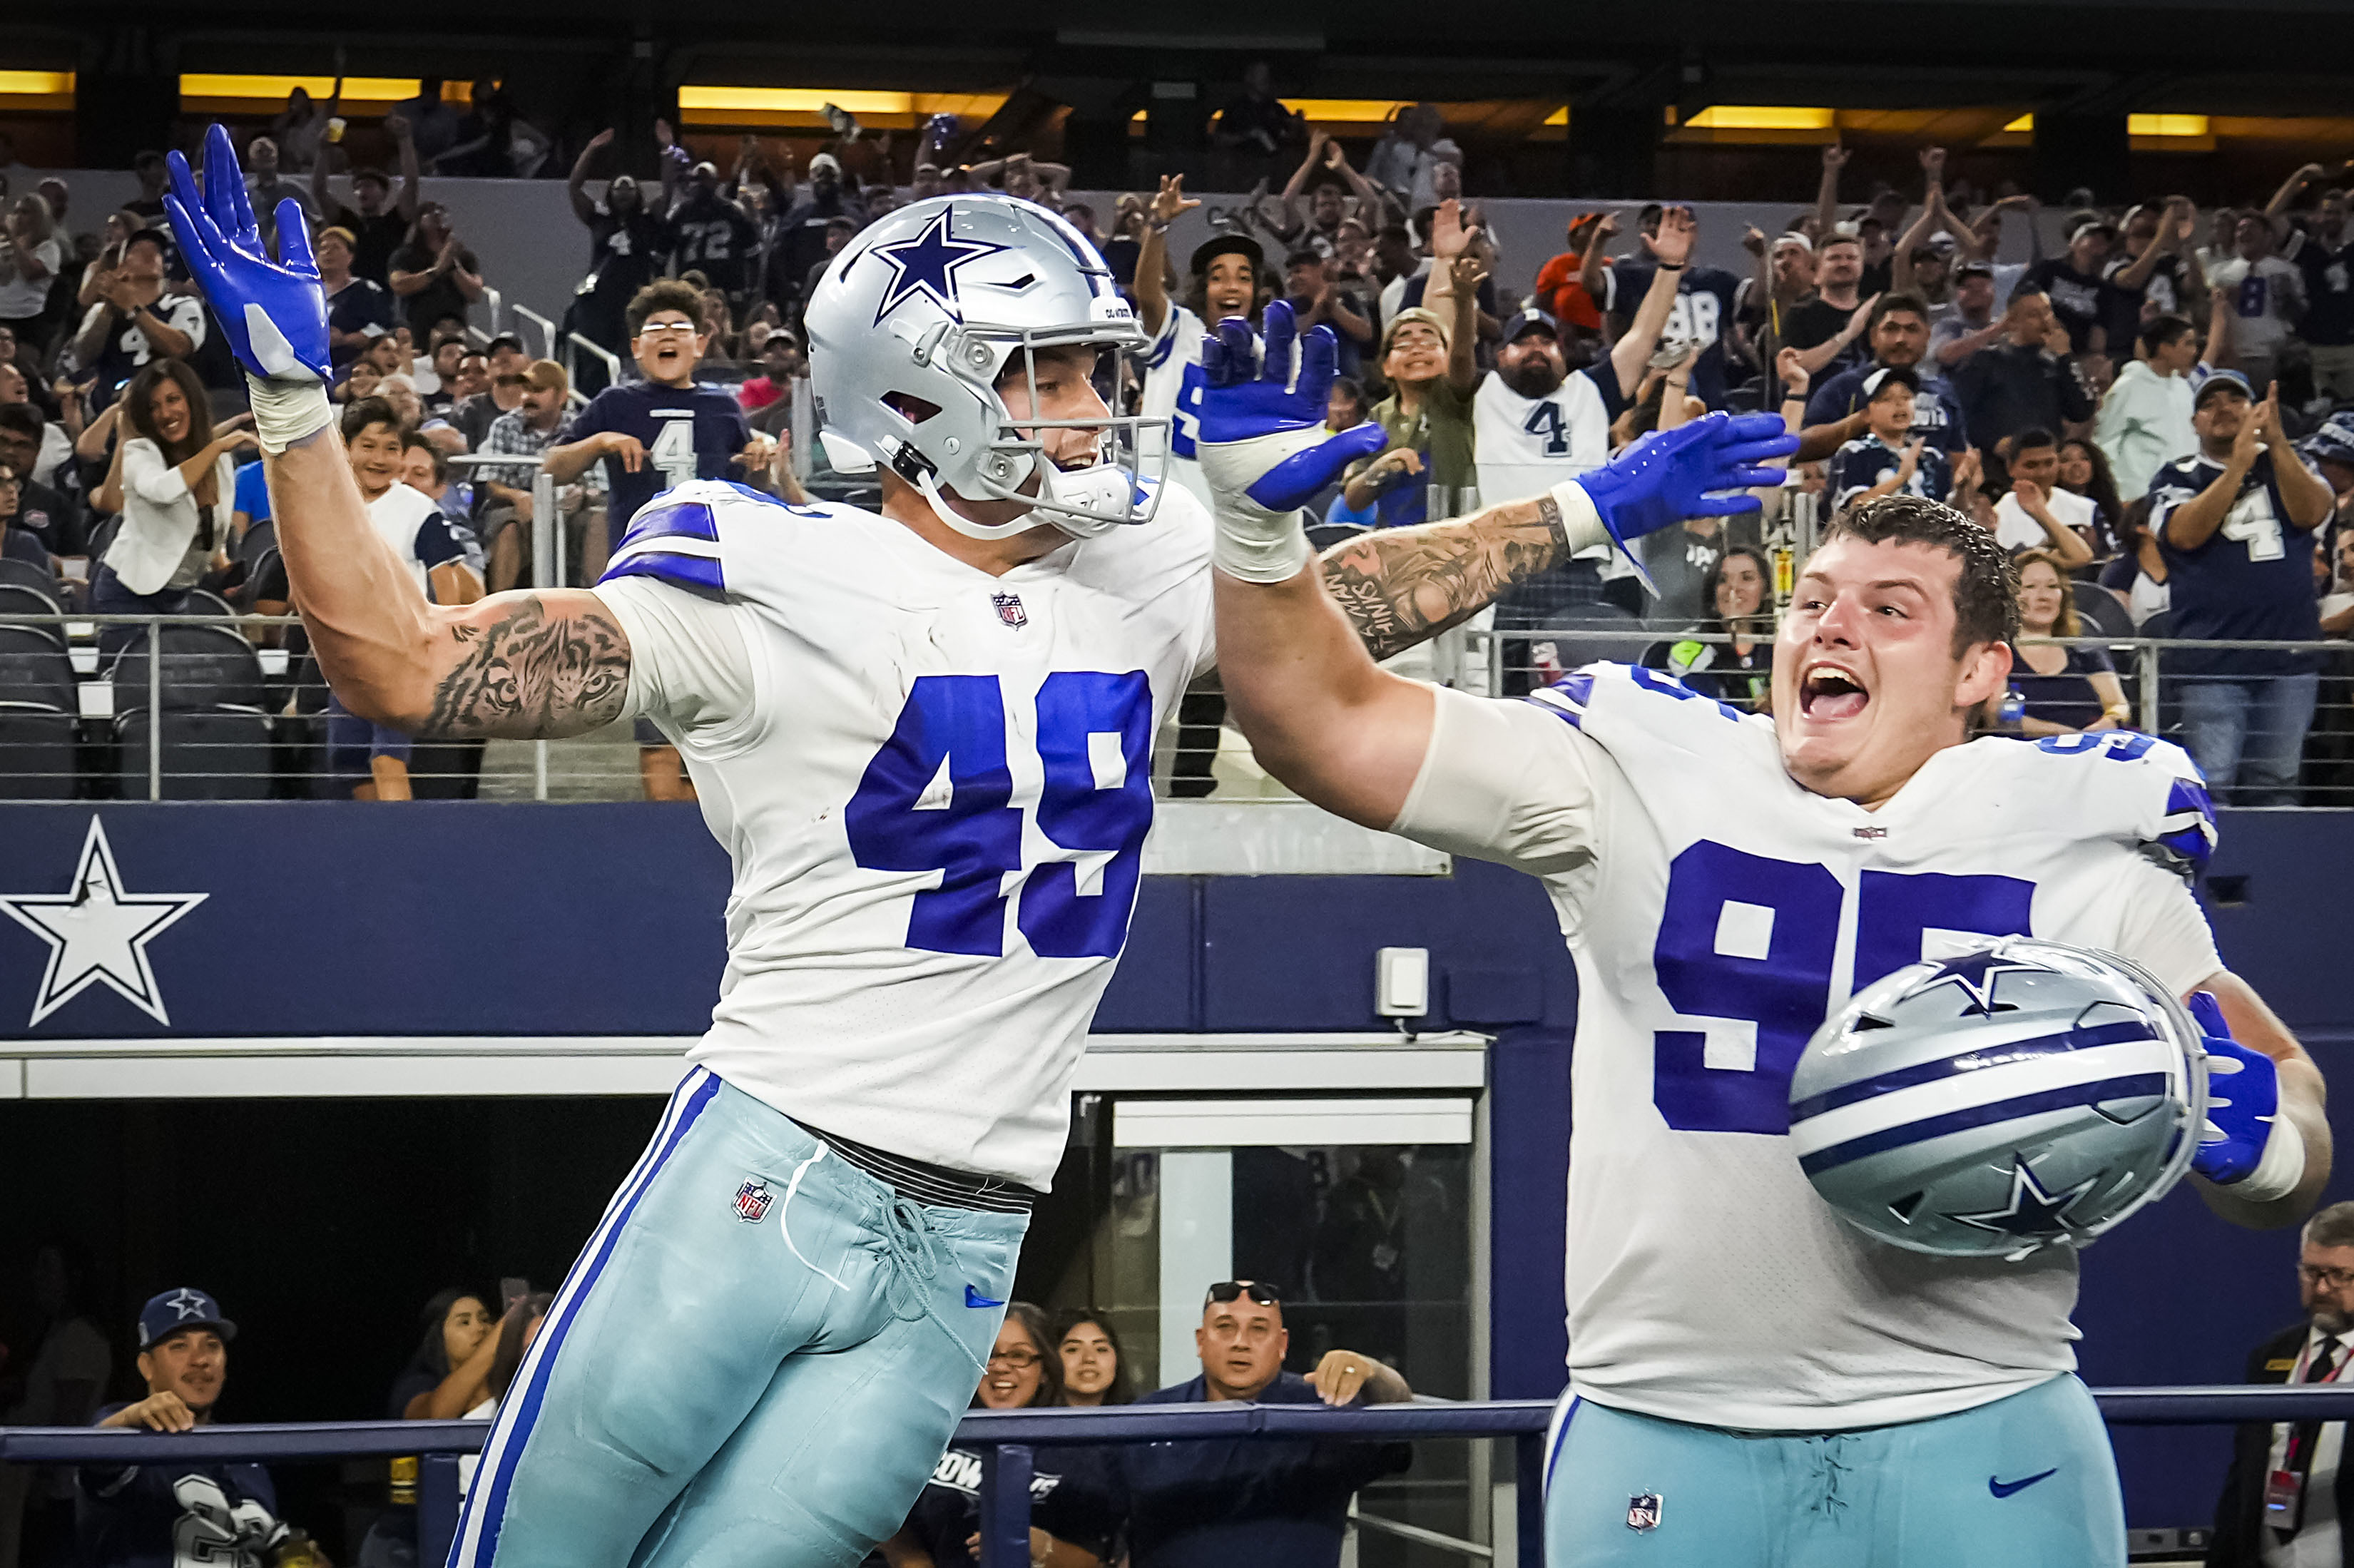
<point>518,665</point>
<point>2301,1105</point>
<point>1401,587</point>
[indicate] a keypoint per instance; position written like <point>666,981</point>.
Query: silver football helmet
<point>923,310</point>
<point>2027,1095</point>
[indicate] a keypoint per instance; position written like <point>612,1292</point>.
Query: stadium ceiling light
<point>1761,117</point>
<point>794,100</point>
<point>2023,126</point>
<point>2166,126</point>
<point>358,90</point>
<point>36,84</point>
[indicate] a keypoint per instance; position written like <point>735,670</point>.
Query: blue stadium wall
<point>488,920</point>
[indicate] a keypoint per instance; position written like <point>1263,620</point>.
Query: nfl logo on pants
<point>1643,1512</point>
<point>752,1201</point>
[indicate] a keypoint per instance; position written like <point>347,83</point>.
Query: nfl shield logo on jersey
<point>752,1201</point>
<point>1643,1512</point>
<point>1010,610</point>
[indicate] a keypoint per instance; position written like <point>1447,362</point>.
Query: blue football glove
<point>1669,475</point>
<point>2242,1097</point>
<point>274,312</point>
<point>1262,440</point>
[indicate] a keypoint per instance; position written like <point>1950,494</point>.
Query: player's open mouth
<point>1828,693</point>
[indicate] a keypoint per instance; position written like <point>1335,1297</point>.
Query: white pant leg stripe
<point>496,1459</point>
<point>1556,1434</point>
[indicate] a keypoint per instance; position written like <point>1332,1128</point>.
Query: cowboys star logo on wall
<point>97,932</point>
<point>926,265</point>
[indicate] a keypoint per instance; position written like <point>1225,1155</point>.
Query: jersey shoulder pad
<point>695,536</point>
<point>1632,705</point>
<point>2141,789</point>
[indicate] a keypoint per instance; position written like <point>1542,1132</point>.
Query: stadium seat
<point>204,601</point>
<point>20,547</point>
<point>214,730</point>
<point>2101,613</point>
<point>28,574</point>
<point>20,598</point>
<point>40,715</point>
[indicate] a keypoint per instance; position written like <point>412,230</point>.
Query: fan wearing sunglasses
<point>1244,1504</point>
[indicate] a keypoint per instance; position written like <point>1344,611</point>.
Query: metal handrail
<point>1008,1437</point>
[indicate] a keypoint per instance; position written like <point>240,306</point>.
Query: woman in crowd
<point>173,481</point>
<point>2136,574</point>
<point>2084,469</point>
<point>1739,671</point>
<point>358,312</point>
<point>30,256</point>
<point>1072,1518</point>
<point>1095,1372</point>
<point>2067,690</point>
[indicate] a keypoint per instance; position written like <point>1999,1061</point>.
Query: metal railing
<point>76,721</point>
<point>1009,1441</point>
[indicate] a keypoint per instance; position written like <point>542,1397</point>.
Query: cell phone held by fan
<point>513,1290</point>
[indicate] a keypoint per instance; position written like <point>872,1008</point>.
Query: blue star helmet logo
<point>1974,974</point>
<point>2033,1211</point>
<point>926,265</point>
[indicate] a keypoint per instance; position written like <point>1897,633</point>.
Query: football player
<point>926,737</point>
<point>1723,880</point>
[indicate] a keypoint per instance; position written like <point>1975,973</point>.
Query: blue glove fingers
<point>294,241</point>
<point>1242,350</point>
<point>1281,331</point>
<point>199,236</point>
<point>1724,506</point>
<point>1747,478</point>
<point>1757,427</point>
<point>1320,358</point>
<point>1736,451</point>
<point>2208,1013</point>
<point>225,191</point>
<point>1218,368</point>
<point>1295,480</point>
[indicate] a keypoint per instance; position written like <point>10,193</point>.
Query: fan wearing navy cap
<point>1888,458</point>
<point>2236,525</point>
<point>163,1515</point>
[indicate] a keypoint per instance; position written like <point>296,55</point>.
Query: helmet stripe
<point>1978,1058</point>
<point>2130,1087</point>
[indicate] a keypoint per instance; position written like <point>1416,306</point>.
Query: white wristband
<point>1581,523</point>
<point>285,412</point>
<point>1257,546</point>
<point>2279,1171</point>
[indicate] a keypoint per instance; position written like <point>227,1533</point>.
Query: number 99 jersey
<point>1717,911</point>
<point>935,785</point>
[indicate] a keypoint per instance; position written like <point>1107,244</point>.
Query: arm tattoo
<point>530,673</point>
<point>1400,587</point>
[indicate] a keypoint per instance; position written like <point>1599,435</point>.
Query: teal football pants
<point>757,1359</point>
<point>2028,1481</point>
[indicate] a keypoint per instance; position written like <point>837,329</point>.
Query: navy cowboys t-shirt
<point>1702,312</point>
<point>689,433</point>
<point>2252,579</point>
<point>161,1515</point>
<point>1936,418</point>
<point>1071,1499</point>
<point>2329,319</point>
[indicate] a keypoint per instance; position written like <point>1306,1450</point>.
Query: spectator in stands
<point>1255,130</point>
<point>1899,336</point>
<point>1244,1504</point>
<point>400,391</point>
<point>800,233</point>
<point>1729,655</point>
<point>1427,356</point>
<point>505,361</point>
<point>434,121</point>
<point>713,235</point>
<point>1316,299</point>
<point>1224,280</point>
<point>2267,299</point>
<point>627,245</point>
<point>1973,323</point>
<point>48,513</point>
<point>2075,283</point>
<point>299,130</point>
<point>1073,1513</point>
<point>528,431</point>
<point>2065,690</point>
<point>2144,418</point>
<point>1891,457</point>
<point>266,186</point>
<point>782,360</point>
<point>2084,470</point>
<point>2288,1496</point>
<point>358,312</point>
<point>1406,158</point>
<point>425,469</point>
<point>1562,290</point>
<point>132,1516</point>
<point>1824,329</point>
<point>433,274</point>
<point>378,222</point>
<point>1706,299</point>
<point>60,1383</point>
<point>176,479</point>
<point>2156,273</point>
<point>838,230</point>
<point>2035,514</point>
<point>2028,381</point>
<point>31,259</point>
<point>135,321</point>
<point>446,1375</point>
<point>1094,1370</point>
<point>2324,254</point>
<point>2235,525</point>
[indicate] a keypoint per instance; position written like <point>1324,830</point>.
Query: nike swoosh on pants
<point>1998,1488</point>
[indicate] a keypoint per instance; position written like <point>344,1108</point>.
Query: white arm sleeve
<point>1507,781</point>
<point>691,664</point>
<point>2164,930</point>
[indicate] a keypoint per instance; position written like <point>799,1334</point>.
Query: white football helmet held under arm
<point>913,323</point>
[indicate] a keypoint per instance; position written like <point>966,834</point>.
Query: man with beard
<point>1899,336</point>
<point>2285,1495</point>
<point>1536,422</point>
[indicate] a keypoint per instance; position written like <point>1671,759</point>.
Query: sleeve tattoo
<point>1402,586</point>
<point>530,673</point>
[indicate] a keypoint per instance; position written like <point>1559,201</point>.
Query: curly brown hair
<point>1986,595</point>
<point>665,294</point>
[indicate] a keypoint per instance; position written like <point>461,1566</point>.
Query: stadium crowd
<point>2148,416</point>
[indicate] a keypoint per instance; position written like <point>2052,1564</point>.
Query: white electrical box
<point>1402,981</point>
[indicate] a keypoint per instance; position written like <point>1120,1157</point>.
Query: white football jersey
<point>1528,445</point>
<point>1717,911</point>
<point>1172,391</point>
<point>935,785</point>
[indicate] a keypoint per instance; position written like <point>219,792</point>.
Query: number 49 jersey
<point>935,785</point>
<point>1717,911</point>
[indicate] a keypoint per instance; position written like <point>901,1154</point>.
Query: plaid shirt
<point>512,435</point>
